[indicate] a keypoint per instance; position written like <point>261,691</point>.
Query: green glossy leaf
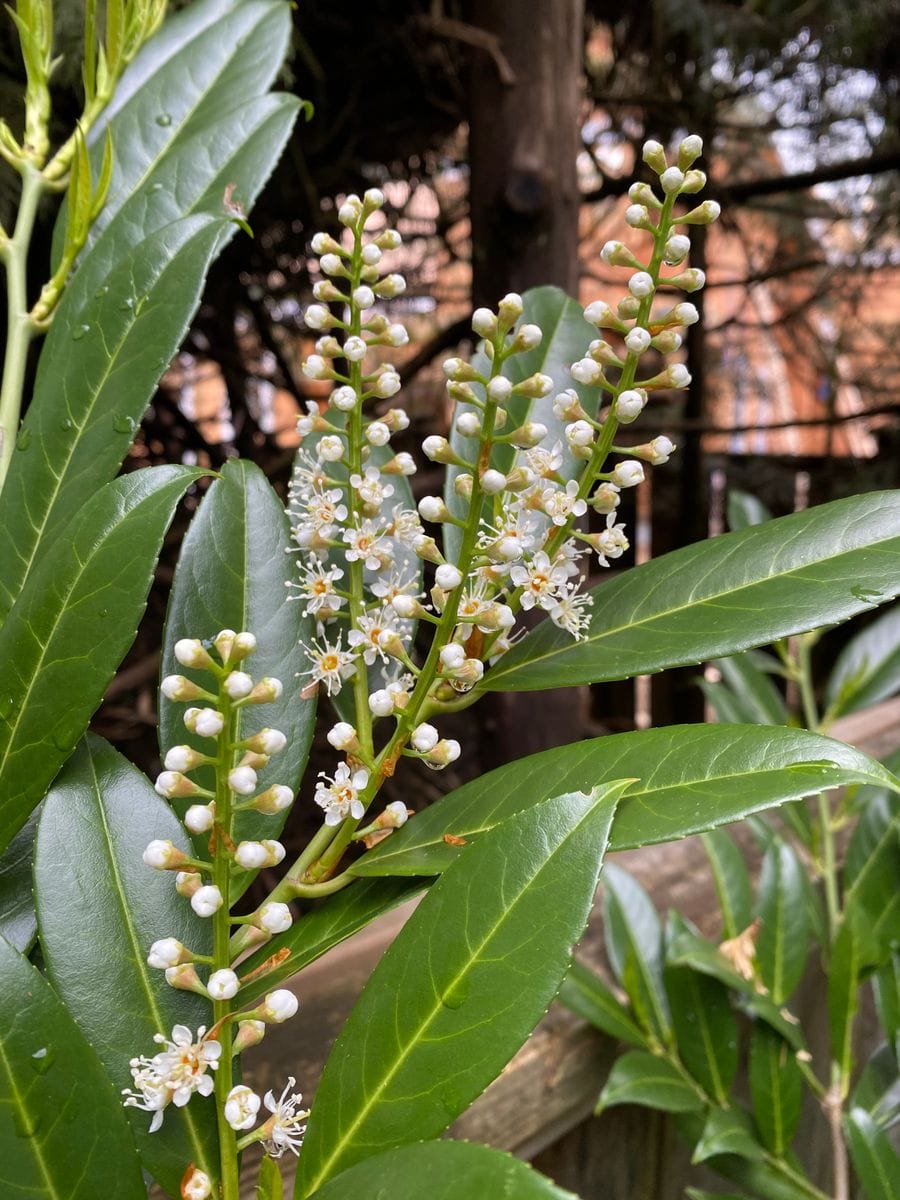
<point>877,1090</point>
<point>332,922</point>
<point>783,941</point>
<point>705,1029</point>
<point>269,1185</point>
<point>868,668</point>
<point>727,707</point>
<point>732,881</point>
<point>641,1078</point>
<point>745,509</point>
<point>886,990</point>
<point>100,908</point>
<point>699,1194</point>
<point>449,999</point>
<point>634,944</point>
<point>752,682</point>
<point>757,1176</point>
<point>18,923</point>
<point>587,995</point>
<point>98,371</point>
<point>872,900</point>
<point>845,967</point>
<point>442,1171</point>
<point>874,1158</point>
<point>186,121</point>
<point>230,575</point>
<point>717,597</point>
<point>727,1131</point>
<point>72,626</point>
<point>566,338</point>
<point>776,1088</point>
<point>690,950</point>
<point>63,1132</point>
<point>693,778</point>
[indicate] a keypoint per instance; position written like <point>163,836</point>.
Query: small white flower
<point>369,637</point>
<point>686,313</point>
<point>579,434</point>
<point>173,1074</point>
<point>167,952</point>
<point>206,900</point>
<point>331,664</point>
<point>628,473</point>
<point>660,450</point>
<point>339,796</point>
<point>568,612</point>
<point>448,577</point>
<point>279,1006</point>
<point>284,1129</point>
<point>367,544</point>
<point>540,580</point>
<point>370,488</point>
<point>241,1106</point>
<point>223,984</point>
<point>342,736</point>
<point>330,448</point>
<point>317,586</point>
<point>275,917</point>
<point>641,285</point>
<point>560,505</point>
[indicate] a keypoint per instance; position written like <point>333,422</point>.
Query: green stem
<point>228,1152</point>
<point>20,328</point>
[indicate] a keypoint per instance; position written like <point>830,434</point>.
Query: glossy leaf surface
<point>18,923</point>
<point>783,940</point>
<point>641,1078</point>
<point>634,943</point>
<point>705,1029</point>
<point>847,960</point>
<point>98,371</point>
<point>746,675</point>
<point>442,1171</point>
<point>721,596</point>
<point>868,668</point>
<point>100,908</point>
<point>269,1185</point>
<point>732,881</point>
<point>230,575</point>
<point>63,1132</point>
<point>776,1088</point>
<point>691,778</point>
<point>566,338</point>
<point>316,932</point>
<point>874,1158</point>
<point>71,628</point>
<point>587,995</point>
<point>727,1131</point>
<point>744,509</point>
<point>448,1000</point>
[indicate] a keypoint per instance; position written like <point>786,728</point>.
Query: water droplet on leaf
<point>101,291</point>
<point>124,424</point>
<point>25,1123</point>
<point>457,994</point>
<point>164,119</point>
<point>79,331</point>
<point>66,424</point>
<point>23,440</point>
<point>42,1060</point>
<point>6,705</point>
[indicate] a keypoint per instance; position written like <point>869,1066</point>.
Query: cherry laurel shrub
<point>131,989</point>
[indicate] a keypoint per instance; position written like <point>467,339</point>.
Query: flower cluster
<point>184,1066</point>
<point>520,492</point>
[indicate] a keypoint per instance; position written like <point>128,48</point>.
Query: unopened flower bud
<point>167,952</point>
<point>206,900</point>
<point>527,338</point>
<point>448,577</point>
<point>535,386</point>
<point>463,484</point>
<point>641,285</point>
<point>703,214</point>
<point>179,687</point>
<point>279,1006</point>
<point>510,309</point>
<point>468,424</point>
<point>694,181</point>
<point>465,677</point>
<point>676,249</point>
<point>424,738</point>
<point>191,653</point>
<point>241,1107</point>
<point>395,815</point>
<point>172,784</point>
<point>267,741</point>
<point>671,181</point>
<point>342,736</point>
<point>200,818</point>
<point>433,508</point>
<point>426,548</point>
<point>654,156</point>
<point>499,389</point>
<point>164,856</point>
<point>344,399</point>
<point>242,780</point>
<point>237,685</point>
<point>606,498</point>
<point>205,723</point>
<point>351,210</point>
<point>637,341</point>
<point>315,367</point>
<point>691,280</point>
<point>656,452</point>
<point>493,482</point>
<point>266,691</point>
<point>567,406</point>
<point>445,752</point>
<point>249,1034</point>
<point>587,371</point>
<point>185,978</point>
<point>275,917</point>
<point>224,644</point>
<point>689,150</point>
<point>617,254</point>
<point>254,855</point>
<point>274,799</point>
<point>628,473</point>
<point>629,405</point>
<point>363,297</point>
<point>638,217</point>
<point>438,449</point>
<point>187,883</point>
<point>223,984</point>
<point>401,464</point>
<point>579,433</point>
<point>184,758</point>
<point>391,286</point>
<point>196,1185</point>
<point>326,291</point>
<point>380,703</point>
<point>318,317</point>
<point>484,322</point>
<point>600,314</point>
